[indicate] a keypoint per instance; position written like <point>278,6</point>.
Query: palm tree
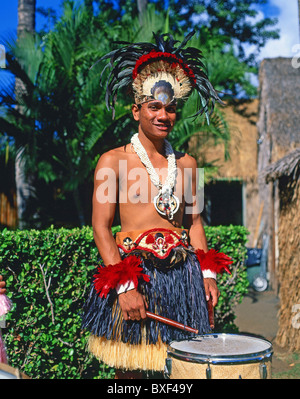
<point>64,125</point>
<point>26,16</point>
<point>26,25</point>
<point>61,114</point>
<point>142,7</point>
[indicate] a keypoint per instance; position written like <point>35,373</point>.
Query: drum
<point>7,373</point>
<point>219,356</point>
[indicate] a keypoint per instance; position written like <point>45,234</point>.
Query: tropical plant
<point>60,115</point>
<point>61,122</point>
<point>48,275</point>
<point>228,75</point>
<point>236,21</point>
<point>26,26</point>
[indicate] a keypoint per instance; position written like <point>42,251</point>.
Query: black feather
<point>122,62</point>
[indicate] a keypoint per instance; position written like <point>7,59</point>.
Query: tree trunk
<point>26,23</point>
<point>26,16</point>
<point>142,6</point>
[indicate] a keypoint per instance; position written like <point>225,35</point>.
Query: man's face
<point>155,119</point>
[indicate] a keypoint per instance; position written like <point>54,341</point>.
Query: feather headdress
<point>164,71</point>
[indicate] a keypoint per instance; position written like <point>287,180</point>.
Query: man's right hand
<point>133,305</point>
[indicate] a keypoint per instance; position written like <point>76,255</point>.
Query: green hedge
<point>232,241</point>
<point>48,274</point>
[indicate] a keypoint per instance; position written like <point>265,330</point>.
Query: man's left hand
<point>211,290</point>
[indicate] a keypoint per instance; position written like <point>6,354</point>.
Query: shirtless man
<point>153,263</point>
<point>155,123</point>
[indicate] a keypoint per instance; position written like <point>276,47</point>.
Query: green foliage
<point>48,274</point>
<point>232,241</point>
<point>59,118</point>
<point>236,21</point>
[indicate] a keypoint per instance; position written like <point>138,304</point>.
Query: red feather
<point>110,276</point>
<point>168,57</point>
<point>213,260</point>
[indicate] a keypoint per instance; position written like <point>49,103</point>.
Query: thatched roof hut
<point>264,159</point>
<point>279,187</point>
<point>286,166</point>
<point>284,176</point>
<point>279,136</point>
<point>279,116</point>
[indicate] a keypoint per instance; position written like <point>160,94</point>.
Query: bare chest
<point>136,185</point>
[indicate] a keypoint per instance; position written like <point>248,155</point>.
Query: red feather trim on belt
<point>111,276</point>
<point>213,260</point>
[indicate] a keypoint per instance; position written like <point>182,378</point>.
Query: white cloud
<point>288,23</point>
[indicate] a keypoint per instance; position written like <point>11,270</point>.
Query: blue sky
<point>285,10</point>
<point>9,14</point>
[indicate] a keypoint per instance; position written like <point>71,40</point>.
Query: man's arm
<point>192,221</point>
<point>106,187</point>
<point>104,206</point>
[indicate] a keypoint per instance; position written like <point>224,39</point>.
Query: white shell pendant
<point>166,203</point>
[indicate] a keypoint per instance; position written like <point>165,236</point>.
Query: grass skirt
<point>175,292</point>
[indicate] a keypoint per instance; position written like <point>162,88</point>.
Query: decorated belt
<point>158,241</point>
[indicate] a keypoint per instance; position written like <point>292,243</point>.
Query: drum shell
<point>184,365</point>
<point>7,372</point>
<point>181,369</point>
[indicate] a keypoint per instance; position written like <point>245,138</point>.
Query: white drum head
<point>221,348</point>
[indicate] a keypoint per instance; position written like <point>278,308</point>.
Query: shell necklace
<point>165,202</point>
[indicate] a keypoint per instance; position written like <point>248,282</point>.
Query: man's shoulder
<point>116,151</point>
<point>185,159</point>
<point>109,158</point>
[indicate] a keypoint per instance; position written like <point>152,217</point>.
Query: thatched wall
<point>279,132</point>
<point>279,117</point>
<point>241,117</point>
<point>283,176</point>
<point>289,269</point>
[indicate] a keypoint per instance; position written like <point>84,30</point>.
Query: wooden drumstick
<point>210,310</point>
<point>171,322</point>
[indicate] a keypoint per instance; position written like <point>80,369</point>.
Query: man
<point>153,264</point>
